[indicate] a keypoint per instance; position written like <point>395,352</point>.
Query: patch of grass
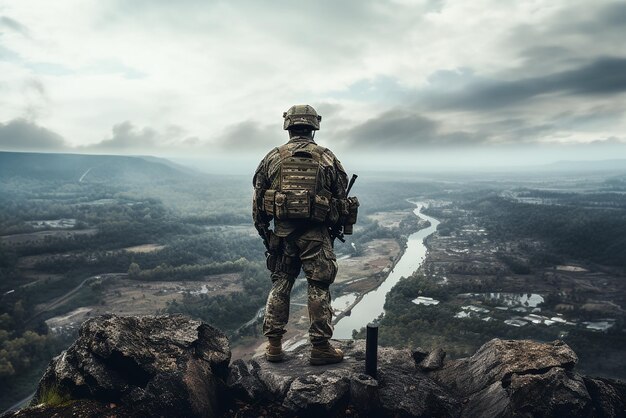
<point>53,396</point>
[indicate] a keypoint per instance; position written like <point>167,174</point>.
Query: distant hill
<point>599,165</point>
<point>89,168</point>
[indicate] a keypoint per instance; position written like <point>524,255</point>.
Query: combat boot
<point>325,353</point>
<point>274,350</point>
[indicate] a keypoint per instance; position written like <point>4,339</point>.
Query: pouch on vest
<point>353,211</point>
<point>293,204</point>
<point>268,202</point>
<point>321,206</point>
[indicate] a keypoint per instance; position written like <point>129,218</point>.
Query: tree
<point>134,270</point>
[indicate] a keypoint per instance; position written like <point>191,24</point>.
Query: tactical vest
<point>298,192</point>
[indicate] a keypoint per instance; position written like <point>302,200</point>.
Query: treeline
<point>596,199</point>
<point>596,235</point>
<point>188,272</point>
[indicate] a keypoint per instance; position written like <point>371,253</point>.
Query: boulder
<point>300,389</point>
<point>518,378</point>
<point>608,397</point>
<point>152,365</point>
<point>433,361</point>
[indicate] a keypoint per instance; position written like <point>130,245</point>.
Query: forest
<point>586,230</point>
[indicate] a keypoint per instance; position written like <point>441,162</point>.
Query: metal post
<point>371,350</point>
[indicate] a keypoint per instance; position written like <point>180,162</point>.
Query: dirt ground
<point>379,256</point>
<point>130,297</point>
<point>389,219</point>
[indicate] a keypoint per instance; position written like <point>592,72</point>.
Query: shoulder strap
<point>284,152</point>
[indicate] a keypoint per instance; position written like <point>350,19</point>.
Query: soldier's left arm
<point>260,182</point>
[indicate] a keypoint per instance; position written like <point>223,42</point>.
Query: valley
<point>510,257</point>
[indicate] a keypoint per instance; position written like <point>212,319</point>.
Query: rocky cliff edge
<point>173,366</point>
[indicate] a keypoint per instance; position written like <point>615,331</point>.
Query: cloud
<point>36,100</point>
<point>400,129</point>
<point>23,135</point>
<point>251,137</point>
<point>126,136</point>
<point>604,76</point>
<point>384,74</point>
<point>13,25</point>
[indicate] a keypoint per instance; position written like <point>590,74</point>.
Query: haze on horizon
<point>400,84</point>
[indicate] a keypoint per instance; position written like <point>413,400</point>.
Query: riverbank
<point>371,304</point>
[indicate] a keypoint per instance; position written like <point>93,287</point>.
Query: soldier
<point>301,186</point>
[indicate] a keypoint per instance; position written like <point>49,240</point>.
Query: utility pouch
<point>294,204</point>
<point>320,209</point>
<point>271,261</point>
<point>268,202</point>
<point>280,207</point>
<point>353,211</point>
<point>289,265</point>
<point>342,211</point>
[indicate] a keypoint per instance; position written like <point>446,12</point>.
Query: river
<point>371,306</point>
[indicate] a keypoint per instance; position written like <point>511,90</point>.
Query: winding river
<point>371,305</point>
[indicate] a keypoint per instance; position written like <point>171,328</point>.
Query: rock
<point>243,381</point>
<point>419,354</point>
<point>174,366</point>
<point>555,393</point>
<point>408,393</point>
<point>608,395</point>
<point>433,361</point>
<point>151,365</point>
<point>317,393</point>
<point>497,360</point>
<point>81,408</point>
<point>506,378</point>
<point>306,390</point>
<point>364,394</point>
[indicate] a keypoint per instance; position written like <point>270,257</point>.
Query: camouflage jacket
<point>334,179</point>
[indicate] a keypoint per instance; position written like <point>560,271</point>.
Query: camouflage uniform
<point>306,245</point>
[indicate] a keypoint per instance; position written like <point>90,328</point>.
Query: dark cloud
<point>598,22</point>
<point>604,76</point>
<point>250,136</point>
<point>126,136</point>
<point>13,25</point>
<point>401,129</point>
<point>23,135</point>
<point>610,141</point>
<point>395,127</point>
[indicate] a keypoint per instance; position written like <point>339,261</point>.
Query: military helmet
<point>301,115</point>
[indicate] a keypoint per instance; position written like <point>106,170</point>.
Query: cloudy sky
<point>420,82</point>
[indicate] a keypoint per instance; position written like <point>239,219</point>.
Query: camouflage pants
<point>313,249</point>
